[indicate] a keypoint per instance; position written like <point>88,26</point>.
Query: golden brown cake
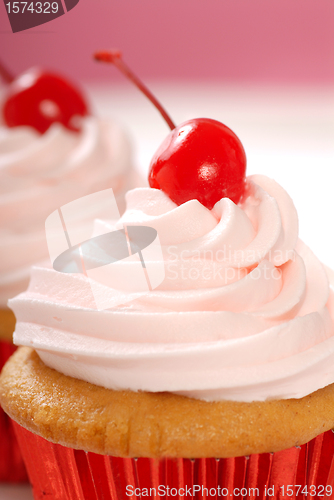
<point>80,415</point>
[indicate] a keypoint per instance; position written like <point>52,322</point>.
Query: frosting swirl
<point>39,173</point>
<point>245,311</point>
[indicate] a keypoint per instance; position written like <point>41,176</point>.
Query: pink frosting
<point>244,313</point>
<point>38,174</point>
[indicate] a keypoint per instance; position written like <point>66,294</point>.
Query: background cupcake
<point>48,156</point>
<point>54,160</point>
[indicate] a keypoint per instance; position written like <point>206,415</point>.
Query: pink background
<point>236,40</point>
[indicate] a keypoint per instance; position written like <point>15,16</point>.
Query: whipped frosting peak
<point>245,311</point>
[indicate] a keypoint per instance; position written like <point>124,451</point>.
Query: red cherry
<point>38,99</point>
<point>200,159</point>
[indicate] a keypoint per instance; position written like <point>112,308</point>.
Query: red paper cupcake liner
<point>60,473</point>
<point>12,469</point>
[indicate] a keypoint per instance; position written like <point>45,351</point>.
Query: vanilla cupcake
<point>221,377</point>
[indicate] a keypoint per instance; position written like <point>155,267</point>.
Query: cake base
<point>83,416</point>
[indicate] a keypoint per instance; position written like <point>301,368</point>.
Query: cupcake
<point>218,381</point>
<point>46,160</point>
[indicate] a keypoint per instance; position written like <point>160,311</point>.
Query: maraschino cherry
<point>38,99</point>
<point>200,159</point>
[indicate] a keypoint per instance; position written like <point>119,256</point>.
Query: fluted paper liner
<point>12,469</point>
<point>60,473</point>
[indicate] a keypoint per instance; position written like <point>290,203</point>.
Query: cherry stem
<point>5,74</point>
<point>115,57</point>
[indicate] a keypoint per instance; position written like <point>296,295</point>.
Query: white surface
<point>288,134</point>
